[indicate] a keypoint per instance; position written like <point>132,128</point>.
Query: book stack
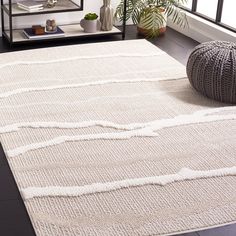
<point>30,6</point>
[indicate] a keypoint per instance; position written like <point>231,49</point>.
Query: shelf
<point>71,31</point>
<point>61,6</point>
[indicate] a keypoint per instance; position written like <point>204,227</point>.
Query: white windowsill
<point>202,30</point>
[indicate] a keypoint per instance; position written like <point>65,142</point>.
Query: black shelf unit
<point>72,31</point>
<point>6,8</point>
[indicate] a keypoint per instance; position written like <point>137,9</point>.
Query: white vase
<point>90,26</point>
<point>106,16</point>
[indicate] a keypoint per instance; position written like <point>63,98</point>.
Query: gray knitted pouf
<point>211,70</point>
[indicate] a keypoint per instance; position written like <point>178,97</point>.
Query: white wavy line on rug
<point>147,131</point>
<point>70,125</point>
<point>86,137</point>
<point>86,77</point>
<point>72,103</point>
<point>108,124</point>
<point>209,111</point>
<point>162,180</point>
<point>81,58</point>
<point>79,85</point>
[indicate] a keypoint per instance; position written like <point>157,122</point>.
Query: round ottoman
<point>211,70</point>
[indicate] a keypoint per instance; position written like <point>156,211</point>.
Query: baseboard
<point>202,30</point>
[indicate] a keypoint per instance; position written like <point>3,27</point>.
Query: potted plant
<point>90,23</point>
<point>150,16</point>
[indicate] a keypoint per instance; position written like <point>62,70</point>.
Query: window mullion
<point>194,6</point>
<point>219,10</point>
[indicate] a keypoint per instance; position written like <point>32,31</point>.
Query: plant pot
<point>146,32</point>
<point>90,26</point>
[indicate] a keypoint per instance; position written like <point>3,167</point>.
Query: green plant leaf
<point>149,13</point>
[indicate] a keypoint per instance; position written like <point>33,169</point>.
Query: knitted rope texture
<point>211,70</point>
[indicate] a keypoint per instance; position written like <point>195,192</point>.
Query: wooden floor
<point>14,220</point>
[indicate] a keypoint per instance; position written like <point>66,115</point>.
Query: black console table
<point>9,11</point>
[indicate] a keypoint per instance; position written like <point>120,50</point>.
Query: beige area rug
<point>110,139</point>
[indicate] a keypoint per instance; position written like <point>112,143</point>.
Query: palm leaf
<point>150,13</point>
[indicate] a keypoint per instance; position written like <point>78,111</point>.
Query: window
<point>228,13</point>
<point>207,7</point>
<point>220,12</point>
<point>188,4</point>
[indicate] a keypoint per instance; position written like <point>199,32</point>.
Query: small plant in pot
<point>90,23</point>
<point>150,16</point>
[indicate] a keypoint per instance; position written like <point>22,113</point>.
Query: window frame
<point>218,16</point>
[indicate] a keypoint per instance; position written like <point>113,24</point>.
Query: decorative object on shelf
<point>106,16</point>
<point>51,3</point>
<point>30,6</point>
<point>30,34</point>
<point>151,16</point>
<point>51,26</point>
<point>90,23</point>
<point>211,70</point>
<point>38,29</point>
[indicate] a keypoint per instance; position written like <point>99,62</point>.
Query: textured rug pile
<point>110,139</point>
